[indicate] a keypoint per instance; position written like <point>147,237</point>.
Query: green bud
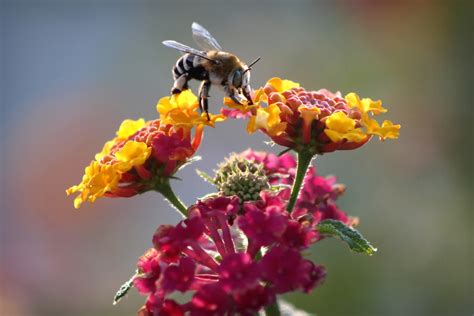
<point>238,176</point>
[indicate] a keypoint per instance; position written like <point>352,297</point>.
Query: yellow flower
<point>245,107</point>
<point>365,105</point>
<point>282,85</point>
<point>387,131</point>
<point>130,127</point>
<point>132,154</point>
<point>98,179</point>
<point>181,110</point>
<point>106,149</point>
<point>268,119</point>
<point>339,126</point>
<point>308,114</point>
<point>126,129</point>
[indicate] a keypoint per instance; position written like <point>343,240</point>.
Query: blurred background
<point>73,70</point>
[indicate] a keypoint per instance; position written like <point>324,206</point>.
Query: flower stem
<point>304,160</point>
<point>166,190</point>
<point>272,310</point>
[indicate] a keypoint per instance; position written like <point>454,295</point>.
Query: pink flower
<point>171,241</point>
<point>238,272</point>
<point>299,235</point>
<point>210,300</point>
<point>286,270</point>
<point>278,168</point>
<point>264,221</point>
<point>149,272</point>
<point>235,113</point>
<point>179,277</point>
<point>205,254</point>
<point>249,302</point>
<point>318,195</point>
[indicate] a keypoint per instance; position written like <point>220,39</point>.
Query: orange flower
<point>142,157</point>
<point>315,121</point>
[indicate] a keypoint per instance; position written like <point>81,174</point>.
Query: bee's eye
<point>237,78</point>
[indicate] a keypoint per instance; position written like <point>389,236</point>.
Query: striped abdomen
<point>191,65</point>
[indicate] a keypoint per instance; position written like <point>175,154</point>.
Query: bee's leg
<point>180,84</point>
<point>203,96</point>
<point>248,94</point>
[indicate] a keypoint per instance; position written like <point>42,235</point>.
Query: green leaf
<point>123,290</point>
<point>205,176</point>
<point>348,234</point>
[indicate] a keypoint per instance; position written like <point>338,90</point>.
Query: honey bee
<point>211,66</point>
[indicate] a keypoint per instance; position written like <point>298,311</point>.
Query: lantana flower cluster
<point>236,258</point>
<point>317,121</point>
<point>145,155</point>
<point>239,248</point>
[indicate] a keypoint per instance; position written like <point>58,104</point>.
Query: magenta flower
<point>179,277</point>
<point>318,194</point>
<point>171,241</point>
<point>249,302</point>
<point>286,270</point>
<point>149,271</point>
<point>238,272</point>
<point>218,258</point>
<point>210,300</point>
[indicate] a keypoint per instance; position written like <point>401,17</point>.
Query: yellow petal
<point>98,179</point>
<point>130,127</point>
<point>340,122</point>
<point>353,100</point>
<point>308,114</point>
<point>267,119</point>
<point>355,135</point>
<point>282,85</point>
<point>132,154</point>
<point>106,149</point>
<point>251,126</point>
<point>164,106</point>
<point>389,130</point>
<point>365,105</point>
<point>185,100</point>
<point>340,127</point>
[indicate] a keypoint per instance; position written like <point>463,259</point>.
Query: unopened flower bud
<point>241,177</point>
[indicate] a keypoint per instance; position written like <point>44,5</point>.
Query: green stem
<point>304,160</point>
<point>272,310</point>
<point>166,190</point>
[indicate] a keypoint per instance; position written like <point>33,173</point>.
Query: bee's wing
<point>186,49</point>
<point>204,39</point>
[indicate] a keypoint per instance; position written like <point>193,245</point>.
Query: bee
<point>210,65</point>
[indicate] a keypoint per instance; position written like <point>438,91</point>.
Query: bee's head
<point>239,78</point>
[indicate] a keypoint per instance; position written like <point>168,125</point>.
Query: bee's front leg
<point>248,94</point>
<point>203,96</point>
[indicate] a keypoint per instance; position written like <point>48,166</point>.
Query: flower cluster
<point>237,257</point>
<point>318,194</point>
<point>238,249</point>
<point>314,121</point>
<point>217,253</point>
<point>142,156</point>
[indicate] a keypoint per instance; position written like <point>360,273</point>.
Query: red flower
<point>206,254</point>
<point>179,277</point>
<point>286,270</point>
<point>237,273</point>
<point>149,272</point>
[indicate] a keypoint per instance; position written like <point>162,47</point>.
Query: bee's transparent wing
<point>186,49</point>
<point>204,39</point>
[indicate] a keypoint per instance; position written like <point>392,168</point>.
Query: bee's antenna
<point>251,64</point>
